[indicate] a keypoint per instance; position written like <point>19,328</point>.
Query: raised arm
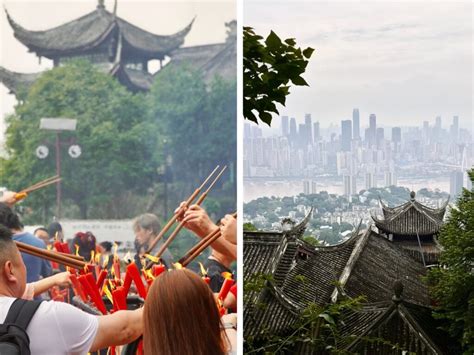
<point>197,221</point>
<point>119,328</point>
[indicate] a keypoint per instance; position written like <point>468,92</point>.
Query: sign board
<point>58,124</point>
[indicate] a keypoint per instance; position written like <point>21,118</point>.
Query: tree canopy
<point>112,130</point>
<point>270,67</point>
<point>452,285</point>
<point>184,124</point>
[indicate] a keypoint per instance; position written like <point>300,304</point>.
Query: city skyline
<point>384,58</point>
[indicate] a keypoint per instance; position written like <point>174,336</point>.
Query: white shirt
<point>57,328</point>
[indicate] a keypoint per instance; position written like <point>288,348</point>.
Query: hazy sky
<point>157,16</point>
<point>404,61</point>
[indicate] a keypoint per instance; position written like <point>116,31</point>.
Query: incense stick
<point>181,224</point>
<point>173,219</point>
<point>203,244</point>
<point>40,183</point>
<point>50,255</point>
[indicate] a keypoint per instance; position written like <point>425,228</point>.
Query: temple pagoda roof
<point>211,59</point>
<point>410,218</point>
<point>94,29</point>
<point>16,81</point>
<point>365,264</point>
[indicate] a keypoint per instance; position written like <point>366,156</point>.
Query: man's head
<point>55,230</point>
<point>145,227</point>
<point>12,268</point>
<point>42,233</point>
<point>9,219</point>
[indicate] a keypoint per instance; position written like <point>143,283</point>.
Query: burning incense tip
<point>203,270</point>
<point>227,275</point>
<point>152,258</point>
<point>178,266</point>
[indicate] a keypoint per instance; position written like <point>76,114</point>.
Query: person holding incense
<point>8,198</point>
<point>60,328</point>
<point>146,227</point>
<point>181,317</point>
<point>36,267</point>
<point>223,252</point>
<point>196,219</point>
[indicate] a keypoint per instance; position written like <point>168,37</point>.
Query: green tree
<point>198,122</point>
<point>269,67</point>
<point>117,160</point>
<point>249,227</point>
<point>453,285</point>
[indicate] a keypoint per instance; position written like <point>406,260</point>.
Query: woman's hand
<point>62,279</point>
<point>196,220</point>
<point>229,228</point>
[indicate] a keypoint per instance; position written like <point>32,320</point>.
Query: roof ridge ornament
<point>412,195</point>
<point>100,4</point>
<point>398,290</point>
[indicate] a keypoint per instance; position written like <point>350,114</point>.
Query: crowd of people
<point>181,314</point>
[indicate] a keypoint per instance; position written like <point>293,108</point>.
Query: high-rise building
<point>371,139</point>
<point>456,183</point>
<point>390,178</point>
<point>346,135</point>
<point>285,128</point>
<point>396,135</point>
<point>309,127</point>
<point>293,131</point>
<point>380,136</point>
<point>355,124</point>
<point>306,187</point>
<point>302,134</point>
<point>316,131</point>
<point>314,187</point>
<point>370,181</point>
<point>247,130</point>
<point>350,185</point>
<point>454,129</point>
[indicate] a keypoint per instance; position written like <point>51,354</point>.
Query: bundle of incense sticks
<point>181,224</point>
<point>39,185</point>
<point>173,219</point>
<point>66,260</point>
<point>196,250</point>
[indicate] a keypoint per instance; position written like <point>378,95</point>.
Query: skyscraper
<point>346,135</point>
<point>456,183</point>
<point>380,136</point>
<point>454,129</point>
<point>316,132</point>
<point>371,139</point>
<point>355,124</point>
<point>396,135</point>
<point>293,131</point>
<point>285,129</point>
<point>308,128</point>
<point>350,185</point>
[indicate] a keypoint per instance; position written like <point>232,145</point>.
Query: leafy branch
<point>269,67</point>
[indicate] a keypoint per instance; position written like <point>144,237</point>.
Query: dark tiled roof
<point>379,264</point>
<point>211,60</point>
<point>93,30</point>
<point>411,327</point>
<point>17,81</point>
<point>365,265</point>
<point>410,219</point>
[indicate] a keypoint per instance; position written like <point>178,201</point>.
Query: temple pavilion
<point>414,227</point>
<point>397,306</point>
<point>118,48</point>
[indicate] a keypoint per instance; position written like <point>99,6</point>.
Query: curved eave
<point>44,43</point>
<point>149,45</point>
<point>15,81</point>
